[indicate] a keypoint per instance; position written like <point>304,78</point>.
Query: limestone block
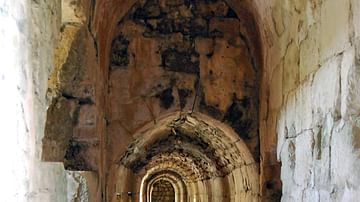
<point>291,68</point>
<point>76,75</point>
<point>350,91</point>
<point>325,88</point>
<point>310,194</point>
<point>58,129</point>
<point>325,194</point>
<point>334,38</point>
<point>221,74</point>
<point>345,165</point>
<point>62,50</point>
<point>309,52</point>
<point>304,116</point>
<point>287,166</point>
<point>304,158</point>
<point>72,12</point>
<point>355,5</point>
<point>269,149</point>
<point>322,151</point>
<point>281,131</point>
<point>350,194</point>
<point>290,114</point>
<point>295,193</point>
<point>311,13</point>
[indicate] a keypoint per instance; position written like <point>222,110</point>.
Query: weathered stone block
<point>71,12</point>
<point>61,116</point>
<point>291,68</point>
<point>282,133</point>
<point>304,107</point>
<point>309,52</point>
<point>327,99</point>
<point>174,60</point>
<point>287,167</point>
<point>350,91</point>
<point>322,152</point>
<point>355,5</point>
<point>345,165</point>
<point>304,158</point>
<point>72,71</point>
<point>334,38</point>
<point>290,114</point>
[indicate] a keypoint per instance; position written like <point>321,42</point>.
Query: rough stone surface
<point>200,150</point>
<point>185,67</point>
<point>319,99</point>
<point>70,132</point>
<point>122,65</point>
<point>28,35</point>
<point>197,60</point>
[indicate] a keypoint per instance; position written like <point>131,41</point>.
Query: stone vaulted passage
<point>202,157</point>
<point>180,100</point>
<point>183,102</point>
<point>180,103</point>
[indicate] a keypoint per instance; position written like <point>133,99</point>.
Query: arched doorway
<point>148,181</point>
<point>162,191</point>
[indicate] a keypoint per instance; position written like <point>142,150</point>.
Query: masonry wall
<point>28,36</point>
<point>310,98</point>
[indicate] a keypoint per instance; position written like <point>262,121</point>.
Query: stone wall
<point>310,98</point>
<point>27,40</point>
<point>181,58</point>
<point>196,59</point>
<point>28,37</point>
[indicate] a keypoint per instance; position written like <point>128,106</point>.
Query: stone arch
<point>238,181</point>
<point>105,26</point>
<point>104,39</point>
<point>211,70</point>
<point>179,186</point>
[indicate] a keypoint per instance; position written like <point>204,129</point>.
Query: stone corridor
<point>180,100</point>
